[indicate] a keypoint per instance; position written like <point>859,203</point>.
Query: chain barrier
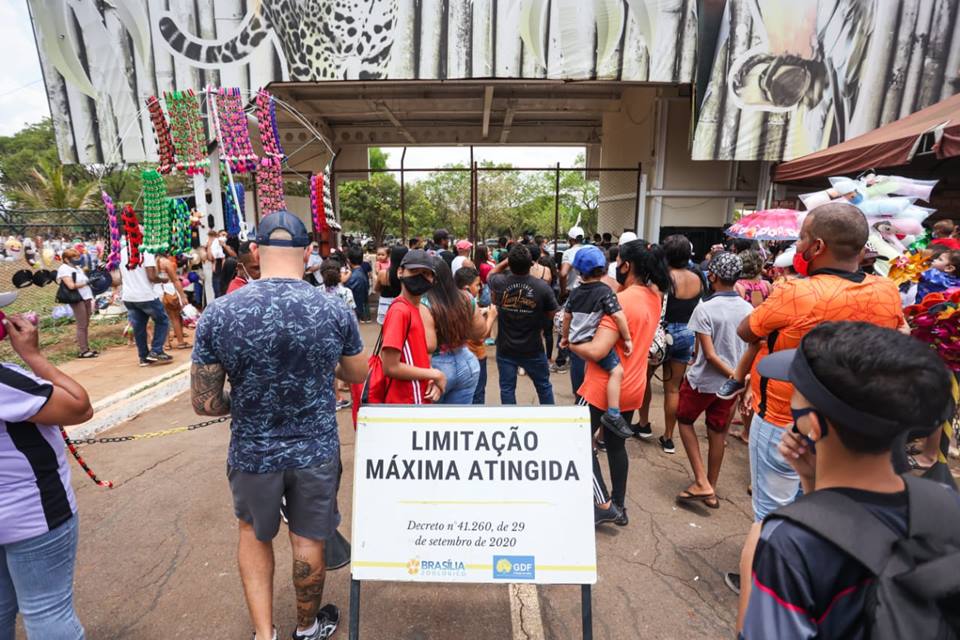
<point>72,444</point>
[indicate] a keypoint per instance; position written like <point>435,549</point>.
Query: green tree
<point>377,158</point>
<point>50,188</point>
<point>371,206</point>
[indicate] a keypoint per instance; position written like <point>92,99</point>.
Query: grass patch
<point>58,339</point>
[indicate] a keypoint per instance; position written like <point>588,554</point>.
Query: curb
<point>127,404</point>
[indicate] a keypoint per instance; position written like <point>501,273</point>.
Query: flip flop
<point>686,496</point>
<point>185,345</point>
<point>712,502</point>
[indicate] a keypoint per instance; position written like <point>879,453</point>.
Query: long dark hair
<point>450,309</point>
<point>648,264</point>
<point>396,255</point>
<point>481,254</point>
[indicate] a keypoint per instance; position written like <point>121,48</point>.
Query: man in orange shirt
<point>828,253</point>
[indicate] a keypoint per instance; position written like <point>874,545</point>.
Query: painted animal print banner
<point>102,58</point>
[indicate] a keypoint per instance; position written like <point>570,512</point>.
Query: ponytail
<point>648,264</point>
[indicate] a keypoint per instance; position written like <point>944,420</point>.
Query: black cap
<point>286,221</point>
<point>418,259</point>
<point>790,365</point>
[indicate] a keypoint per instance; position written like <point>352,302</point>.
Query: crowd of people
<point>802,346</point>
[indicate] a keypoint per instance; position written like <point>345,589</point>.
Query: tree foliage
<point>509,201</point>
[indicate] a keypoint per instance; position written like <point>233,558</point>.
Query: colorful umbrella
<point>769,224</point>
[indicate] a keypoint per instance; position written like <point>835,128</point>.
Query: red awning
<point>891,145</point>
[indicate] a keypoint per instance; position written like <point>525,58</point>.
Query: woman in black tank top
<point>687,290</point>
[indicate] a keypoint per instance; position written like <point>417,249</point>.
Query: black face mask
<point>622,275</point>
<point>417,285</point>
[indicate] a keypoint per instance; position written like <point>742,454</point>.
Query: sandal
<point>686,496</point>
<point>185,345</point>
<point>713,502</point>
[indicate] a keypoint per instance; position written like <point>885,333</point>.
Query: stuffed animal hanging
<point>164,142</point>
<point>186,131</point>
<point>131,227</point>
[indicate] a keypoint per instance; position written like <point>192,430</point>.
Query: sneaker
<point>150,357</point>
<point>644,433</point>
<point>489,342</point>
<point>667,445</point>
<point>559,368</point>
<point>162,358</point>
<point>730,389</point>
<point>732,580</point>
<point>622,519</point>
<point>327,620</point>
<point>617,425</point>
<point>343,404</point>
<point>601,515</point>
<point>145,362</point>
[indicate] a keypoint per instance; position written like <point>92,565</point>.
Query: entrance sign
<point>473,494</point>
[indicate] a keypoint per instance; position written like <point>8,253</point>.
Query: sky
<point>23,100</point>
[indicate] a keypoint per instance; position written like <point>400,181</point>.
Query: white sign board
<point>473,494</point>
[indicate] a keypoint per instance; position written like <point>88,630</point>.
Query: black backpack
<point>916,593</point>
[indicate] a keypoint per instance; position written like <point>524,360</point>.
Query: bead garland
<point>165,148</point>
<point>131,228</point>
<point>269,177</point>
<point>113,260</point>
<point>179,214</point>
<point>230,213</point>
<point>156,218</point>
<point>317,203</point>
<point>232,131</point>
<point>186,129</point>
<point>327,200</point>
<point>270,188</point>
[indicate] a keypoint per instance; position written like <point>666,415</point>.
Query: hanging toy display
<point>232,131</point>
<point>327,199</point>
<point>113,260</point>
<point>269,177</point>
<point>233,216</point>
<point>131,228</point>
<point>186,130</point>
<point>317,208</point>
<point>156,216</point>
<point>179,214</point>
<point>164,142</point>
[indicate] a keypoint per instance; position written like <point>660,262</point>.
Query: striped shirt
<point>35,492</point>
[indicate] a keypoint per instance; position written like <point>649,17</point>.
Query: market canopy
<point>888,146</point>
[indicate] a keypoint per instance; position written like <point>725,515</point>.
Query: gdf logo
<point>504,566</point>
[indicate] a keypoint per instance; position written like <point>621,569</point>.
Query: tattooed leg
<point>309,572</point>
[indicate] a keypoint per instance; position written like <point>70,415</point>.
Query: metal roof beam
<point>396,122</point>
<point>487,103</point>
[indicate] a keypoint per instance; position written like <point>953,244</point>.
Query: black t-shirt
<point>806,587</point>
<point>523,303</point>
<point>447,256</point>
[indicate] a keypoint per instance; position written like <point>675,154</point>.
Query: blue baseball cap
<point>285,221</point>
<point>589,258</point>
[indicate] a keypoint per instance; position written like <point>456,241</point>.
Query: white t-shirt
<point>216,250</point>
<point>136,285</point>
<point>66,270</point>
<point>457,263</point>
<point>573,276</point>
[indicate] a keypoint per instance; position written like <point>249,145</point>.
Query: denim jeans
<point>578,368</point>
<point>535,366</point>
<point>775,483</point>
<point>480,395</point>
<point>462,370</point>
<point>138,313</point>
<point>36,578</point>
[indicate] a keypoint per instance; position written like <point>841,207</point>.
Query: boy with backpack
<point>865,553</point>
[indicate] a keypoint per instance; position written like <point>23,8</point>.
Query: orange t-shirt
<point>642,309</point>
<point>797,306</point>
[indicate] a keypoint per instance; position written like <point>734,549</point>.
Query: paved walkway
<point>157,553</point>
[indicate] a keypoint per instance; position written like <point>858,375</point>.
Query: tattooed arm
<point>207,394</point>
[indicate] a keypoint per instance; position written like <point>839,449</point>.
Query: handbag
<point>66,295</point>
<point>100,281</point>
<point>661,339</point>
<point>374,388</point>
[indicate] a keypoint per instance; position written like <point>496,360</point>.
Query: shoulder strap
<point>844,522</point>
<point>932,507</point>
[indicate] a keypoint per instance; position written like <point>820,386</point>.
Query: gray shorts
<point>311,495</point>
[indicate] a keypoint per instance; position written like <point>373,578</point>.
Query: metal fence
<point>483,202</point>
